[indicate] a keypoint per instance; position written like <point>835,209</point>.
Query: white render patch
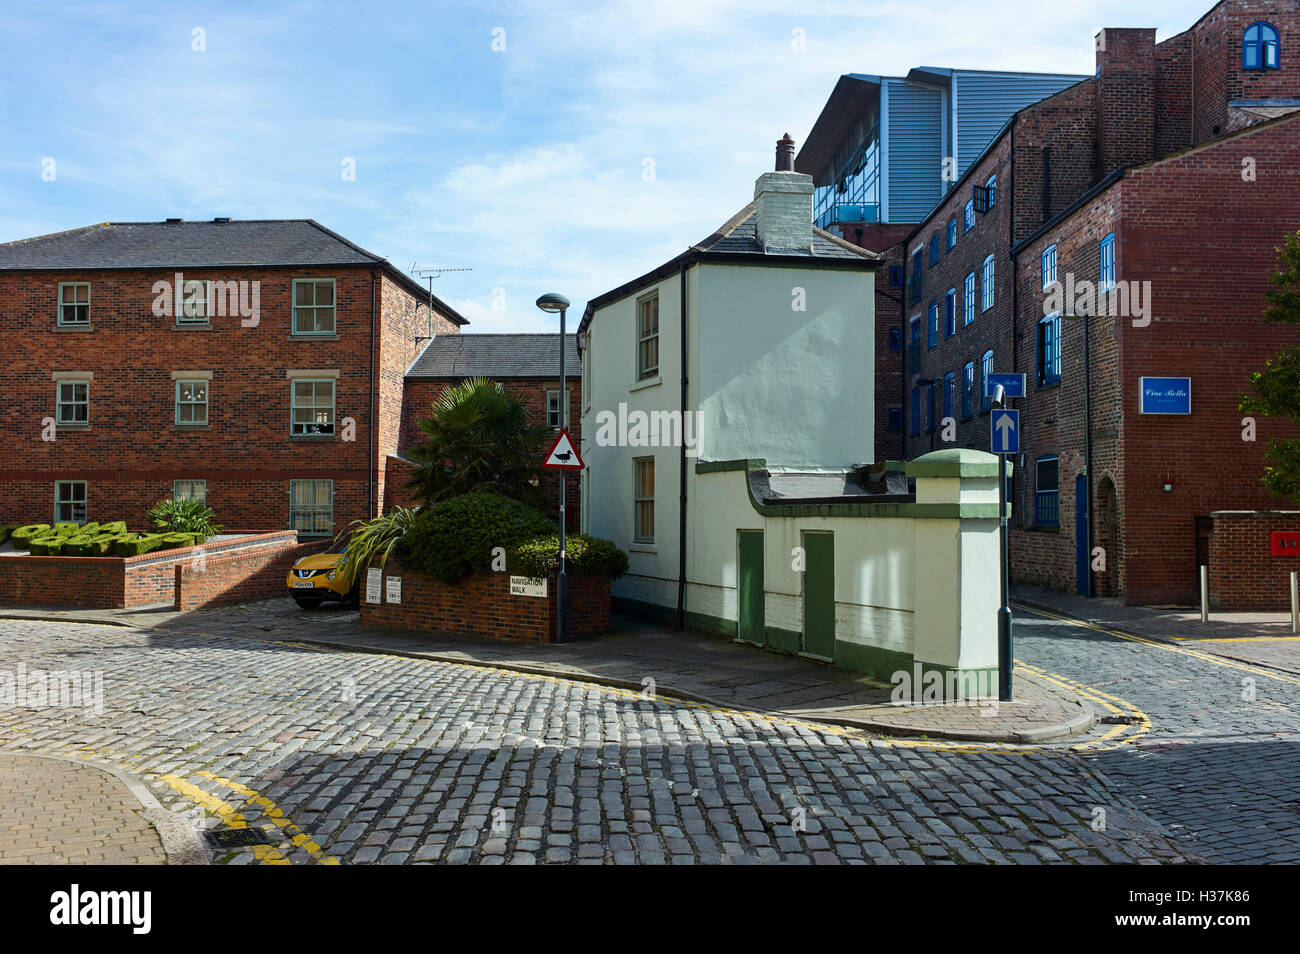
<point>783,211</point>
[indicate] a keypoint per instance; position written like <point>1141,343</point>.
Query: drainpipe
<point>374,438</point>
<point>1087,448</point>
<point>681,505</point>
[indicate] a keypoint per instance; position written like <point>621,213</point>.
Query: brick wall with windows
<point>130,448</point>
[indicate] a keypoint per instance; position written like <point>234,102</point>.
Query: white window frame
<point>60,501</point>
<point>640,501</point>
<point>312,510</point>
<point>968,217</point>
<point>314,308</point>
<point>315,407</point>
<point>74,304</point>
<point>1047,263</point>
<point>194,309</point>
<point>987,273</point>
<point>557,410</point>
<point>60,403</point>
<point>644,370</point>
<point>968,299</point>
<point>207,396</point>
<point>188,489</point>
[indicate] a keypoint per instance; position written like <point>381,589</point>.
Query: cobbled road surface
<point>338,757</point>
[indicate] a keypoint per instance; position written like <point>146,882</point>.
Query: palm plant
<point>366,541</point>
<point>477,437</point>
<point>184,516</point>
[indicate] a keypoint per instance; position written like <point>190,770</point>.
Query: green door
<point>819,595</point>
<point>750,610</point>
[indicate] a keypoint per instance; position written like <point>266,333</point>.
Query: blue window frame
<point>950,313</point>
<point>916,410</point>
<point>952,233</point>
<point>1260,47</point>
<point>968,305</point>
<point>914,280</point>
<point>895,419</point>
<point>986,284</point>
<point>948,381</point>
<point>991,193</point>
<point>934,250</point>
<point>895,275</point>
<point>933,339</point>
<point>1106,255</point>
<point>969,216</point>
<point>986,370</point>
<point>967,389</point>
<point>1048,264</point>
<point>929,417</point>
<point>1046,490</point>
<point>1049,349</point>
<point>895,339</point>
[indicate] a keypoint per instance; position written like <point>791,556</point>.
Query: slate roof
<point>495,356</point>
<point>235,243</point>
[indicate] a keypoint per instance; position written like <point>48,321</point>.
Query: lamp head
<point>552,301</point>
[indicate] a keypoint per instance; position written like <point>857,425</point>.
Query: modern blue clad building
<point>885,149</point>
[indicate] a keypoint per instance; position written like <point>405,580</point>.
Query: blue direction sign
<point>1004,432</point>
<point>1012,384</point>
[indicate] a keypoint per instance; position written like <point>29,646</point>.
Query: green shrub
<point>103,544</point>
<point>66,529</point>
<point>49,545</point>
<point>134,544</point>
<point>456,536</point>
<point>117,526</point>
<point>77,545</point>
<point>369,542</point>
<point>184,516</point>
<point>22,536</point>
<point>172,541</point>
<point>584,556</point>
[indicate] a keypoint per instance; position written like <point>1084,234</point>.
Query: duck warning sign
<point>563,455</point>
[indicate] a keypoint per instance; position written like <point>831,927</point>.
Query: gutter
<point>373,453</point>
<point>681,504</point>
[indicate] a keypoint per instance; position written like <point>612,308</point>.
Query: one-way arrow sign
<point>563,455</point>
<point>1004,432</point>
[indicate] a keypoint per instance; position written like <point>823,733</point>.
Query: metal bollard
<point>1295,602</point>
<point>1205,594</point>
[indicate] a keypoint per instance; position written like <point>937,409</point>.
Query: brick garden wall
<point>1242,574</point>
<point>254,573</point>
<point>481,605</point>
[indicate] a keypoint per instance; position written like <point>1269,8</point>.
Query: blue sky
<point>526,163</point>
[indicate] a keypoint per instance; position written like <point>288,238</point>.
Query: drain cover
<point>235,837</point>
<point>1119,720</point>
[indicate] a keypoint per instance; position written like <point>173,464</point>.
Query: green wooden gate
<point>819,594</point>
<point>750,614</point>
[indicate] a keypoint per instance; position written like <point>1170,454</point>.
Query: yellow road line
<point>1195,654</point>
<point>1236,639</point>
<point>298,837</point>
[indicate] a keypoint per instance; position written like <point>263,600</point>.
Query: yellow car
<point>319,577</point>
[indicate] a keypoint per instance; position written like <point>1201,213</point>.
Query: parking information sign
<point>374,580</point>
<point>1004,434</point>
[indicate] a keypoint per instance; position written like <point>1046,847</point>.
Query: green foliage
<point>477,438</point>
<point>455,537</point>
<point>66,529</point>
<point>1275,391</point>
<point>373,540</point>
<point>174,540</point>
<point>23,536</point>
<point>117,526</point>
<point>184,516</point>
<point>584,556</point>
<point>49,545</point>
<point>134,544</point>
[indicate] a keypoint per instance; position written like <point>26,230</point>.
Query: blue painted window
<point>1107,257</point>
<point>914,280</point>
<point>916,410</point>
<point>968,305</point>
<point>969,218</point>
<point>1046,489</point>
<point>934,250</point>
<point>967,389</point>
<point>986,283</point>
<point>1049,349</point>
<point>948,380</point>
<point>991,193</point>
<point>950,313</point>
<point>895,339</point>
<point>895,418</point>
<point>952,233</point>
<point>895,275</point>
<point>1260,49</point>
<point>986,370</point>
<point>1048,264</point>
<point>930,396</point>
<point>934,324</point>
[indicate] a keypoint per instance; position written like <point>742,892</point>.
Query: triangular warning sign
<point>563,455</point>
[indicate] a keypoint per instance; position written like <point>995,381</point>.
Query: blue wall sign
<point>1012,384</point>
<point>1165,395</point>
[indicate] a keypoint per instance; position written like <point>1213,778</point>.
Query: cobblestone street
<point>343,757</point>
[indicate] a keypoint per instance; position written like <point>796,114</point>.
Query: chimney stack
<point>783,204</point>
<point>785,154</point>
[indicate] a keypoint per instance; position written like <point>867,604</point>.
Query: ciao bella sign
<point>1165,396</point>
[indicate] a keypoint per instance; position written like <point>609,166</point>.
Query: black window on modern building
<point>1046,491</point>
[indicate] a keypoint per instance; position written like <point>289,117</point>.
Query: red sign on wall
<point>1284,543</point>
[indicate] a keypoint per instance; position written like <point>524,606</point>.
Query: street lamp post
<point>553,302</point>
<point>1005,650</point>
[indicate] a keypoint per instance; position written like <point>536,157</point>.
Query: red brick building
<point>1168,180</point>
<point>258,364</point>
<point>527,365</point>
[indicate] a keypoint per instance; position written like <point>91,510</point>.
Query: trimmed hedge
<point>93,539</point>
<point>455,537</point>
<point>584,556</point>
<point>22,536</point>
<point>134,544</point>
